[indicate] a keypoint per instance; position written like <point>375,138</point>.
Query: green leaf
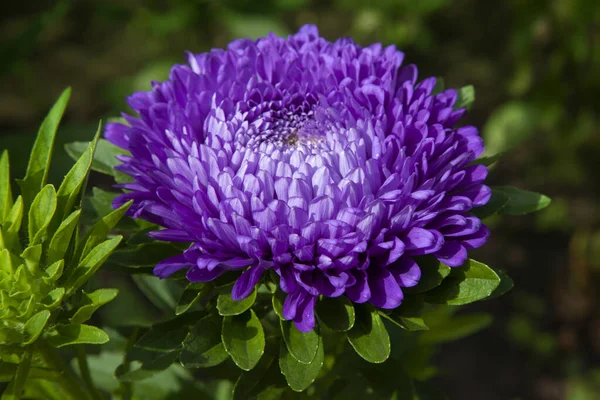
<point>495,205</point>
<point>62,237</point>
<point>40,214</point>
<point>99,231</point>
<point>166,336</point>
<point>468,283</point>
<point>41,154</point>
<point>163,293</point>
<point>104,159</point>
<point>203,347</point>
<point>152,363</point>
<point>90,264</point>
<point>521,201</point>
<point>433,273</point>
<point>336,313</point>
<point>54,272</point>
<point>227,306</point>
<point>408,315</point>
<point>146,254</point>
<point>368,336</point>
<point>74,182</point>
<point>302,346</point>
<point>53,298</point>
<point>6,199</point>
<point>506,284</point>
<point>262,381</point>
<point>277,301</point>
<point>465,98</point>
<point>92,302</point>
<point>193,293</point>
<point>244,339</point>
<point>300,376</point>
<point>34,326</point>
<point>489,160</point>
<point>16,386</point>
<point>456,328</point>
<point>12,225</point>
<point>69,334</point>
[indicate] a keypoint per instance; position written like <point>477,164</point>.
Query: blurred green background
<point>535,65</point>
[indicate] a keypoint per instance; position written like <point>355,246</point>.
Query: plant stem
<point>125,387</point>
<point>68,381</point>
<point>84,369</point>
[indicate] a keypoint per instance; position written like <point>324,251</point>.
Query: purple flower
<point>325,162</point>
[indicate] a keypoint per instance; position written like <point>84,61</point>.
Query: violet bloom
<point>325,162</point>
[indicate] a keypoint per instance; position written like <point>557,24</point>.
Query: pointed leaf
<point>104,158</point>
<point>466,284</point>
<point>53,298</point>
<point>41,212</point>
<point>193,293</point>
<point>300,376</point>
<point>62,237</point>
<point>92,302</point>
<point>456,328</point>
<point>34,326</point>
<point>12,225</point>
<point>152,363</point>
<point>65,335</point>
<point>227,306</point>
<point>369,336</point>
<point>433,273</point>
<point>6,200</point>
<point>337,313</point>
<point>302,346</point>
<point>495,205</point>
<point>39,160</point>
<point>506,284</point>
<point>166,336</point>
<point>521,201</point>
<point>203,347</point>
<point>244,339</point>
<point>408,315</point>
<point>54,272</point>
<point>90,264</point>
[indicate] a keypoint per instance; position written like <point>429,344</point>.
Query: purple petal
<point>246,282</point>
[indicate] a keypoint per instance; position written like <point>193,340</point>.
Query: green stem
<point>84,369</point>
<point>68,381</point>
<point>15,387</point>
<point>126,388</point>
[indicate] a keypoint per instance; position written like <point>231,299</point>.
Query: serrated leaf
<point>69,334</point>
<point>99,230</point>
<point>92,302</point>
<point>90,264</point>
<point>203,347</point>
<point>6,200</point>
<point>244,339</point>
<point>227,306</point>
<point>152,363</point>
<point>495,205</point>
<point>521,201</point>
<point>302,346</point>
<point>41,154</point>
<point>104,159</point>
<point>40,214</point>
<point>433,273</point>
<point>337,313</point>
<point>468,283</point>
<point>465,97</point>
<point>192,294</point>
<point>62,237</point>
<point>34,326</point>
<point>166,336</point>
<point>368,336</point>
<point>456,328</point>
<point>300,376</point>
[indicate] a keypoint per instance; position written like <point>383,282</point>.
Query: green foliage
<point>244,339</point>
<point>228,307</point>
<point>300,375</point>
<point>336,313</point>
<point>369,336</point>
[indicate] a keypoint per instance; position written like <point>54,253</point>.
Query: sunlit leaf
<point>520,201</point>
<point>104,159</point>
<point>302,346</point>
<point>40,214</point>
<point>69,334</point>
<point>91,302</point>
<point>298,375</point>
<point>244,339</point>
<point>227,306</point>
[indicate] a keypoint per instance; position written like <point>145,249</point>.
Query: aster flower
<point>324,162</point>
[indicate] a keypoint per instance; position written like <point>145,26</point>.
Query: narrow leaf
<point>104,159</point>
<point>6,199</point>
<point>369,336</point>
<point>227,306</point>
<point>521,201</point>
<point>497,202</point>
<point>203,347</point>
<point>41,154</point>
<point>16,386</point>
<point>302,346</point>
<point>337,313</point>
<point>40,214</point>
<point>277,301</point>
<point>62,237</point>
<point>65,335</point>
<point>34,326</point>
<point>466,284</point>
<point>244,339</point>
<point>92,302</point>
<point>300,376</point>
<point>12,226</point>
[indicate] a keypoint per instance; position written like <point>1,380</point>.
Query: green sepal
<point>466,284</point>
<point>91,302</point>
<point>302,346</point>
<point>228,307</point>
<point>41,154</point>
<point>300,376</point>
<point>40,214</point>
<point>336,313</point>
<point>244,339</point>
<point>70,334</point>
<point>368,336</point>
<point>203,347</point>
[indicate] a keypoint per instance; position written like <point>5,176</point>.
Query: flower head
<point>325,162</point>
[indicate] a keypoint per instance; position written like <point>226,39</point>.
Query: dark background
<point>535,66</point>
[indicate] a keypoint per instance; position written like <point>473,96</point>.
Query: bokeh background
<point>535,65</point>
